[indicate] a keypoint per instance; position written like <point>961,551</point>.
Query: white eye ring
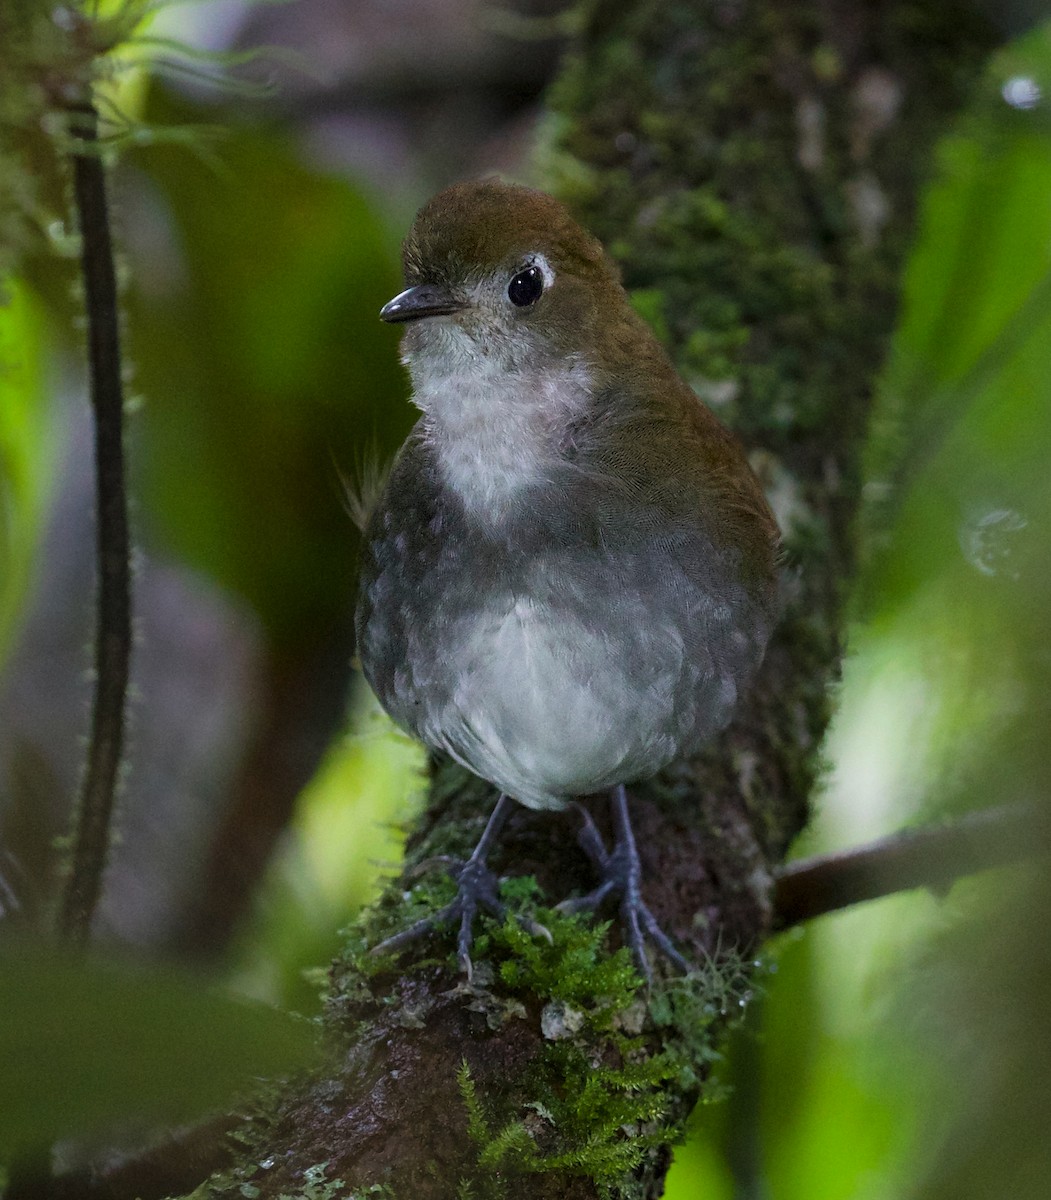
<point>540,262</point>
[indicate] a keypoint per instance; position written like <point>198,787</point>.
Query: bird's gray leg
<point>590,841</point>
<point>622,873</point>
<point>476,888</point>
<point>632,907</point>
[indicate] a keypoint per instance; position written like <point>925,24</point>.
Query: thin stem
<point>94,813</point>
<point>933,858</point>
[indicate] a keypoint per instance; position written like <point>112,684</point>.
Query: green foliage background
<point>26,446</point>
<point>899,1050</point>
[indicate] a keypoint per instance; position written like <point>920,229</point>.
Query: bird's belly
<point>560,671</point>
<point>547,706</point>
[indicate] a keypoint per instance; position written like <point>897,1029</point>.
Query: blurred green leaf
<point>26,450</point>
<point>961,580</point>
<point>264,365</point>
<point>962,429</point>
<point>344,838</point>
<point>87,1044</point>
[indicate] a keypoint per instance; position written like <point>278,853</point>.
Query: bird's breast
<point>496,431</point>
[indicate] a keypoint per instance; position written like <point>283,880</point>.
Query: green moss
<point>599,1122</point>
<point>607,1088</point>
<point>575,967</point>
<point>600,1098</point>
<point>605,1091</point>
<point>316,1186</point>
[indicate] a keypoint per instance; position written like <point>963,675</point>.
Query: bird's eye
<point>526,287</point>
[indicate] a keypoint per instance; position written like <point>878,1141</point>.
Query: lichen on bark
<point>754,167</point>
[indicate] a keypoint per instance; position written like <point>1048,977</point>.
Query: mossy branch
<point>915,858</point>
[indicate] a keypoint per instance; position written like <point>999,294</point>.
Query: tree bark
<point>755,167</point>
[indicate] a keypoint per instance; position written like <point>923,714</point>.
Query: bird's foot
<point>621,874</point>
<point>477,888</point>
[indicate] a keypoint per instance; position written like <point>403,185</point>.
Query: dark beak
<point>424,300</point>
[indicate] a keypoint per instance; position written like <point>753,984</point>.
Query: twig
<point>932,858</point>
<point>91,836</point>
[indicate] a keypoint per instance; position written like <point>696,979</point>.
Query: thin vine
<point>94,812</point>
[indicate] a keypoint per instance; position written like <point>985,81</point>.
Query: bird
<point>571,573</point>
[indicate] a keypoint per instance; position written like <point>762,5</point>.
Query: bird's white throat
<point>495,429</point>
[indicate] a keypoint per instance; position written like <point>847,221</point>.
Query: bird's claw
<point>621,873</point>
<point>476,889</point>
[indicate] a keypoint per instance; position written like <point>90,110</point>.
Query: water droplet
<point>1021,91</point>
<point>987,540</point>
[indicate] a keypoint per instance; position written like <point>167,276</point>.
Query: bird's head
<point>501,274</point>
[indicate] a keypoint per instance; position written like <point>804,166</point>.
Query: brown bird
<point>570,576</point>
